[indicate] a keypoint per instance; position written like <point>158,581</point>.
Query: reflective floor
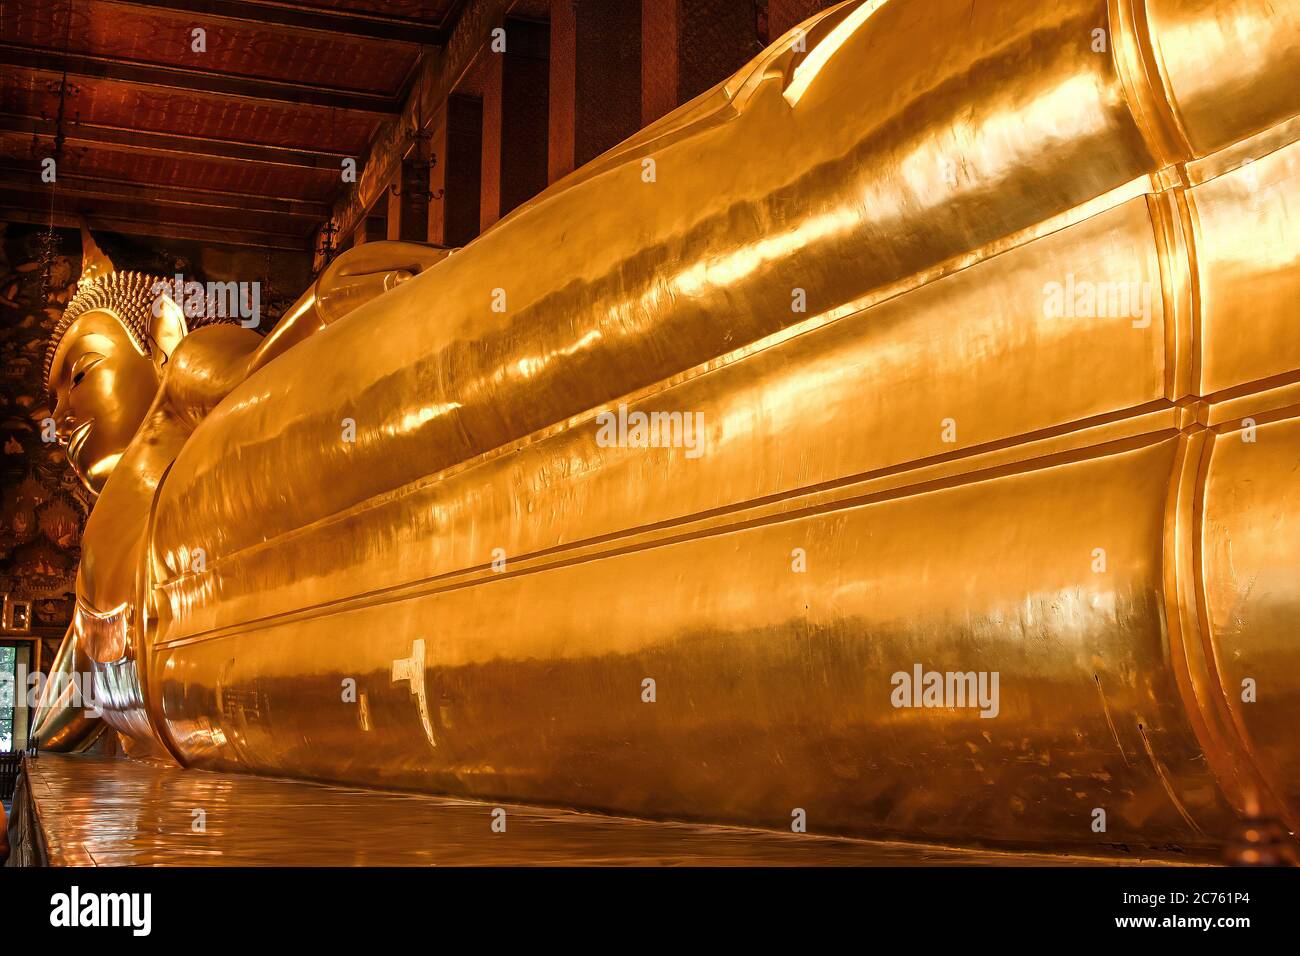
<point>106,811</point>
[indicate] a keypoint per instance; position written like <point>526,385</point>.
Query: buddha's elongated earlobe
<point>167,327</point>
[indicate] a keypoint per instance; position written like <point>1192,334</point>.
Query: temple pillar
<point>373,226</point>
<point>515,120</point>
<point>563,89</point>
<point>455,179</point>
<point>393,199</point>
<point>408,206</point>
<point>658,59</point>
<point>595,74</point>
<point>689,46</point>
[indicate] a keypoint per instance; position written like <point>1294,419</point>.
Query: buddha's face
<point>102,387</point>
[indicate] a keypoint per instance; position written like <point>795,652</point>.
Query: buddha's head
<point>105,361</point>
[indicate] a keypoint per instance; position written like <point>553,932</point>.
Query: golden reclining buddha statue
<point>903,433</point>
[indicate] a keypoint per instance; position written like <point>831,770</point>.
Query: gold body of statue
<point>970,331</point>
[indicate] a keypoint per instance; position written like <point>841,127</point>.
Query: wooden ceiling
<point>240,143</point>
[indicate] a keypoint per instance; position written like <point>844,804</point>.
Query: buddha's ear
<point>167,326</point>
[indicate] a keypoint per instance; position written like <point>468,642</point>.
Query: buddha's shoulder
<point>206,365</point>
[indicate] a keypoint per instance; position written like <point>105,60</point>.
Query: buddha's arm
<point>353,279</point>
<point>205,367</point>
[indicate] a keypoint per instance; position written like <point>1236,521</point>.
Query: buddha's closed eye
<point>84,365</point>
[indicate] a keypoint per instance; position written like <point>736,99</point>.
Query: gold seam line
<point>1149,417</point>
<point>405,592</point>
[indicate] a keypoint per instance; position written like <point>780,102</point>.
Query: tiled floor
<point>104,811</point>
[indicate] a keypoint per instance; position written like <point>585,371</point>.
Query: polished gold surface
<point>97,811</point>
<point>985,311</point>
<point>62,721</point>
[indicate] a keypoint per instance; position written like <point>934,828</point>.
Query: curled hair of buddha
<point>131,298</point>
